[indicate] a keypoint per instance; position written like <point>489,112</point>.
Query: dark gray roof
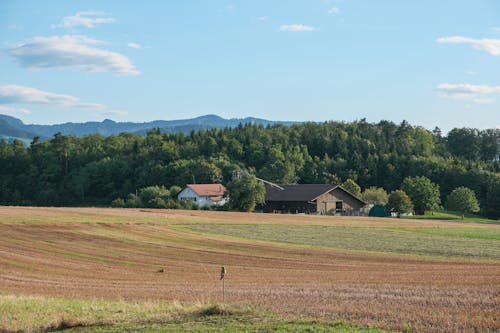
<point>299,192</point>
<point>303,192</point>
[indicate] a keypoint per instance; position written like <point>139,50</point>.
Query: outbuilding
<point>312,199</point>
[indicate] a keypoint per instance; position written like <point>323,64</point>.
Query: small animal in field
<point>161,270</point>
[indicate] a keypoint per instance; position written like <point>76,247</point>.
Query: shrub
<point>118,203</point>
<point>132,201</point>
<point>154,196</point>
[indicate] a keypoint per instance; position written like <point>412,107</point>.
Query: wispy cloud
<point>133,45</point>
<point>10,111</point>
<point>71,51</point>
<point>114,113</point>
<point>497,29</point>
<point>296,28</point>
<point>334,10</point>
<point>86,19</point>
<point>492,46</point>
<point>16,94</point>
<point>484,100</point>
<point>263,18</point>
<point>467,91</point>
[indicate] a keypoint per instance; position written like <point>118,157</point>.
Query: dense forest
<point>94,170</point>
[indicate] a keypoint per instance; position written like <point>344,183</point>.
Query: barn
<point>312,199</point>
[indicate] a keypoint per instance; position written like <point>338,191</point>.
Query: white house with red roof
<point>204,194</point>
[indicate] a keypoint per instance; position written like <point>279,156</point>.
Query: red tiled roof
<point>208,190</point>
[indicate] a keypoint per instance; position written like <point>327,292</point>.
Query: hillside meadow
<point>108,270</point>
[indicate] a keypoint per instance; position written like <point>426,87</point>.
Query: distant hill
<point>14,128</point>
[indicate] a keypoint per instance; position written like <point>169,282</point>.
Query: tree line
<point>95,170</point>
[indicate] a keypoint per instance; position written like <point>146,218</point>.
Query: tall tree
<point>245,193</point>
<point>93,170</point>
<point>399,203</point>
<point>462,199</point>
<point>375,196</point>
<point>464,142</point>
<point>490,144</point>
<point>352,187</point>
<point>423,193</point>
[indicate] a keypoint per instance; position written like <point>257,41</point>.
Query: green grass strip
<point>465,243</point>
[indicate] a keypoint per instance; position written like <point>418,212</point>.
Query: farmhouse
<point>312,199</point>
<point>203,194</point>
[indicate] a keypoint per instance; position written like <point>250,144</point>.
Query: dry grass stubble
<point>75,253</point>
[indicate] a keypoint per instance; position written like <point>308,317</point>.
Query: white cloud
<point>484,100</point>
<point>71,51</point>
<point>134,45</point>
<point>492,46</point>
<point>15,94</point>
<point>468,88</point>
<point>467,91</point>
<point>497,29</point>
<point>86,19</point>
<point>296,28</point>
<point>263,18</point>
<point>10,111</point>
<point>333,10</point>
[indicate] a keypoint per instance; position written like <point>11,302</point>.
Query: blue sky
<point>432,63</point>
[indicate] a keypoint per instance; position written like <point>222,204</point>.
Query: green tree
<point>423,193</point>
<point>95,169</point>
<point>490,144</point>
<point>245,193</point>
<point>399,202</point>
<point>278,169</point>
<point>375,196</point>
<point>462,199</point>
<point>154,196</point>
<point>174,190</point>
<point>464,142</point>
<point>352,187</point>
<point>331,178</point>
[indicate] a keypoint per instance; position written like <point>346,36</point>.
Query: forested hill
<point>13,127</point>
<point>94,170</point>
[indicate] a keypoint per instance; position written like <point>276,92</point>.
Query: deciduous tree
<point>462,199</point>
<point>352,187</point>
<point>423,193</point>
<point>399,203</point>
<point>245,193</point>
<point>375,196</point>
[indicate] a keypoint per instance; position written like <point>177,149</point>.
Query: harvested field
<point>117,253</point>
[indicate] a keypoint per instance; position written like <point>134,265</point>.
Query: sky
<point>432,63</point>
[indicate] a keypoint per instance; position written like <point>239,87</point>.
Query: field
<point>451,216</point>
<point>101,267</point>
